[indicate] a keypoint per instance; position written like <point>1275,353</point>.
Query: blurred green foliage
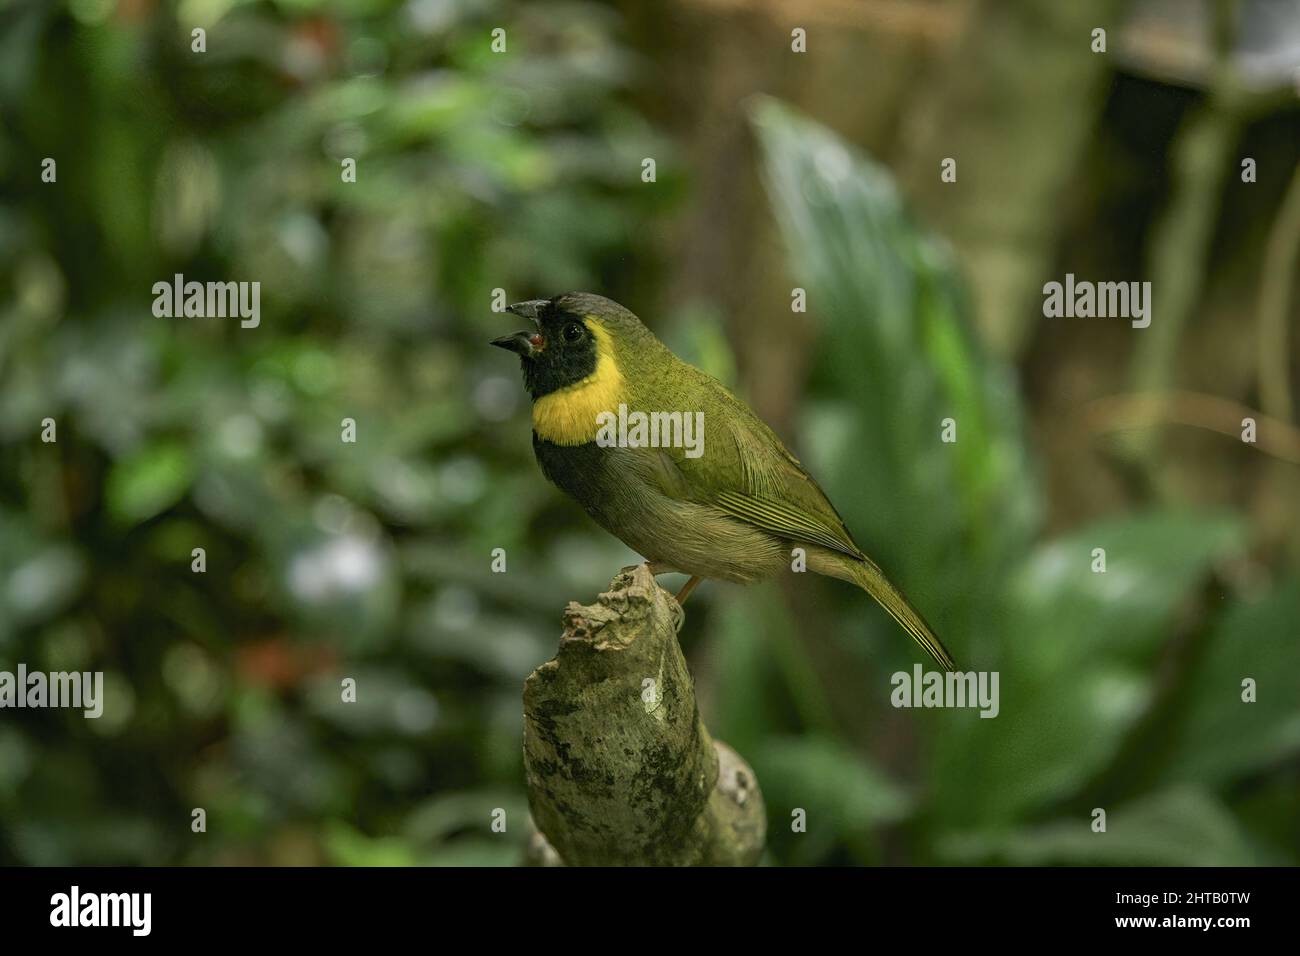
<point>327,560</point>
<point>1120,690</point>
<point>324,559</point>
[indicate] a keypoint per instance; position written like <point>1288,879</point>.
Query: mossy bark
<point>620,768</point>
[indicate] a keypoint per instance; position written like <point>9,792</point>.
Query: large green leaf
<point>843,797</point>
<point>1217,736</point>
<point>898,357</point>
<point>1076,662</point>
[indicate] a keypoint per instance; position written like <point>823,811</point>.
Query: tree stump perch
<point>620,768</point>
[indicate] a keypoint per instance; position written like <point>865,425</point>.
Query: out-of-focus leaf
<point>843,795</point>
<point>1216,736</point>
<point>440,818</point>
<point>765,675</point>
<point>1076,663</point>
<point>475,852</point>
<point>898,351</point>
<point>149,482</point>
<point>386,701</point>
<point>821,772</point>
<point>745,669</point>
<point>39,584</point>
<point>1179,827</point>
<point>349,847</point>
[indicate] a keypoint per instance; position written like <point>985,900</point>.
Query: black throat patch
<point>559,365</point>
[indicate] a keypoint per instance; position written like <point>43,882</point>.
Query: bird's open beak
<point>526,343</point>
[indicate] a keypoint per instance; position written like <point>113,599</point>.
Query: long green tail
<point>872,580</point>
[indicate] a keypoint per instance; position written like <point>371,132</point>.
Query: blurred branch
<point>620,768</point>
<point>1181,240</point>
<point>1201,158</point>
<point>1210,412</point>
<point>1275,284</point>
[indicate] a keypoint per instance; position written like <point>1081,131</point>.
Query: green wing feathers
<point>787,521</point>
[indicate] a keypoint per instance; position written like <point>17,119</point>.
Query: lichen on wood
<point>620,768</point>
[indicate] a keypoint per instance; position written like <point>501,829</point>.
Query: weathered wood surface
<point>620,768</point>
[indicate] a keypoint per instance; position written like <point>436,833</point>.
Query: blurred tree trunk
<point>1014,107</point>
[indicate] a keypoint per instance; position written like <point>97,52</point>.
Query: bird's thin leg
<point>687,588</point>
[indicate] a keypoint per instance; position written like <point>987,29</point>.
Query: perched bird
<point>730,502</point>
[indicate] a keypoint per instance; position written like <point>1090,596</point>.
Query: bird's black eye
<point>572,332</point>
